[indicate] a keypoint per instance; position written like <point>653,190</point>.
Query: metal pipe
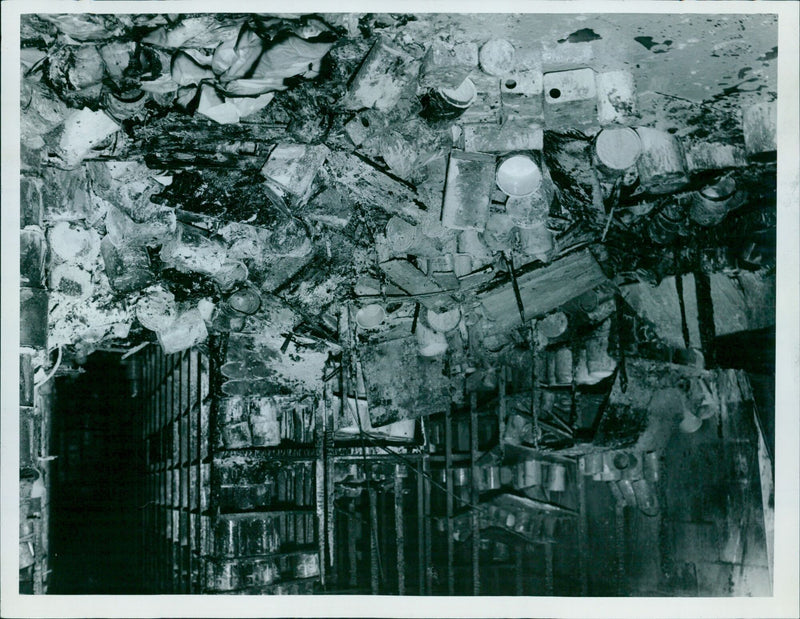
<point>399,529</point>
<point>475,497</point>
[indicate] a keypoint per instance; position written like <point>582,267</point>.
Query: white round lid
<point>618,148</point>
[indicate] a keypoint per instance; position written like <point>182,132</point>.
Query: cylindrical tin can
<point>32,257</point>
<point>533,473</point>
<point>557,479</point>
<point>616,150</point>
<point>591,463</point>
<point>661,166</point>
<point>563,369</point>
<point>651,466</point>
<point>711,203</point>
<point>518,175</point>
<point>492,476</point>
<point>553,325</point>
<point>668,224</point>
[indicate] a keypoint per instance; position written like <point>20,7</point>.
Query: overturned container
<point>448,103</point>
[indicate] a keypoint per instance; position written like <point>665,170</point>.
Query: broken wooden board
<point>401,384</point>
<point>543,289</point>
<point>369,186</point>
<point>745,302</point>
<point>661,306</point>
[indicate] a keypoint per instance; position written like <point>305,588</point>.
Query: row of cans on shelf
<point>264,421</point>
<point>237,574</point>
<point>621,465</point>
<point>538,526</point>
<point>552,475</point>
<point>252,534</point>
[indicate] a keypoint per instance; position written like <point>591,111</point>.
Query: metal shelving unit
<point>176,405</point>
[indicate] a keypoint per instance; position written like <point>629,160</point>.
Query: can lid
<point>618,148</point>
<point>518,176</point>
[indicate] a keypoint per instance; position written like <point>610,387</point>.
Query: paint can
<point>518,176</point>
<point>616,150</point>
<point>448,103</point>
<point>563,366</point>
<point>711,204</point>
<point>492,477</point>
<point>557,478</point>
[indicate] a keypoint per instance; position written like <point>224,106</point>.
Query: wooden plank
<point>544,289</point>
<point>369,186</point>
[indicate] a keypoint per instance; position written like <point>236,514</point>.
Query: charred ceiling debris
<point>510,259</point>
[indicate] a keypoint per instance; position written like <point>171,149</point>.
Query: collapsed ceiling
<point>423,206</point>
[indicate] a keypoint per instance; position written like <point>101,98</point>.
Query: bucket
<point>711,203</point>
<point>617,150</point>
<point>370,316</point>
<point>518,176</point>
<point>448,103</point>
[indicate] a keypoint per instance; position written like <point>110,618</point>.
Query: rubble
<point>499,259</point>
